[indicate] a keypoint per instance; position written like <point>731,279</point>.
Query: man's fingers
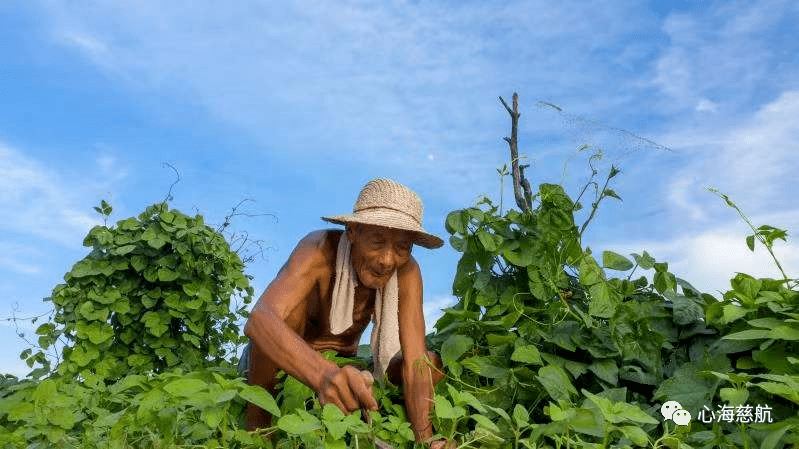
<point>368,377</point>
<point>349,401</point>
<point>349,389</point>
<point>362,388</point>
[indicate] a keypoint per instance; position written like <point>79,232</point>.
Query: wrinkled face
<point>377,252</point>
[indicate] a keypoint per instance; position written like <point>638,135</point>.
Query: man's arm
<point>416,375</point>
<point>285,302</point>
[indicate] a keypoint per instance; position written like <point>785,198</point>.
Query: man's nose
<point>387,258</point>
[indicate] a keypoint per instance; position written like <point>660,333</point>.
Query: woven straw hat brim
<point>390,219</point>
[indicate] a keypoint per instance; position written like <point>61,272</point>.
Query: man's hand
<point>443,444</point>
<point>348,389</point>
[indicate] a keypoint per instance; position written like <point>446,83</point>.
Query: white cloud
<point>705,105</point>
<point>734,52</point>
<point>751,161</point>
<point>86,43</point>
<point>15,257</point>
<point>373,79</point>
<point>433,306</point>
<point>710,258</point>
<point>37,203</point>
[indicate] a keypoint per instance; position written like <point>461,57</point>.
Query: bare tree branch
<point>521,188</point>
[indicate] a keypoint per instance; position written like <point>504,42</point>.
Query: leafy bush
<point>154,293</point>
<point>543,347</point>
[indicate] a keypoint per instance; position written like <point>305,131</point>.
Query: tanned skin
<point>290,325</point>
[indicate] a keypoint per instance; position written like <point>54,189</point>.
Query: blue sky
<point>297,105</point>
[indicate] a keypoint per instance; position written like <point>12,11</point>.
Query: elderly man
<point>330,288</point>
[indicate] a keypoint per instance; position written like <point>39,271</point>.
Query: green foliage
<point>171,408</point>
<point>545,348</point>
<point>584,359</point>
<point>154,293</point>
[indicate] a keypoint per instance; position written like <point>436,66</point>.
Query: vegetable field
<point>550,345</point>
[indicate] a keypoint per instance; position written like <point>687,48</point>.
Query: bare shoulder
<point>410,271</point>
<point>311,256</point>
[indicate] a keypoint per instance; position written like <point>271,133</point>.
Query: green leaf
<point>136,360</point>
<point>690,386</point>
<point>784,332</point>
<point>750,334</point>
<point>62,417</point>
<point>333,418</point>
<point>775,436</point>
<point>153,322</point>
<point>732,312</point>
<point>615,261</point>
<point>296,425</point>
<point>686,311</point>
<point>138,263</point>
<point>84,354</point>
<point>167,275</point>
<point>767,323</point>
<point>87,311</point>
<point>556,382</point>
<point>636,435</point>
<point>212,417</point>
<point>788,392</point>
<point>106,208</point>
<point>185,387</point>
<point>746,286</point>
<point>734,396</point>
<point>604,300</point>
<point>123,250</point>
<point>454,347</point>
<point>486,367</point>
<point>633,413</point>
<point>487,240</point>
<point>607,370</point>
<point>664,281</point>
<point>261,398</point>
<point>526,354</point>
<point>644,261</point>
<point>750,242</point>
<point>521,416</point>
<point>99,332</point>
<point>486,423</point>
<point>611,193</point>
<point>444,408</point>
<point>156,242</point>
<point>454,223</point>
<point>472,401</point>
<point>590,273</point>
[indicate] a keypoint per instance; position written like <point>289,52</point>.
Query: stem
<point>631,273</point>
<point>501,191</point>
<point>595,206</point>
<point>751,226</point>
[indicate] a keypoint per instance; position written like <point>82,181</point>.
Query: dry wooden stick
<point>521,188</point>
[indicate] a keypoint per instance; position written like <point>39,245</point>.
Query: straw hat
<point>383,202</point>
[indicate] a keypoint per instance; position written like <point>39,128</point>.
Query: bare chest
<point>319,315</point>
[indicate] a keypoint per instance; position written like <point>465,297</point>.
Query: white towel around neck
<point>385,333</point>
